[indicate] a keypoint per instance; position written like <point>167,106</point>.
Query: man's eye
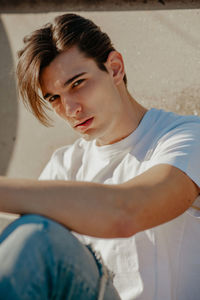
<point>53,98</point>
<point>78,82</point>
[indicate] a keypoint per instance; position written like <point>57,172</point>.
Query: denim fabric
<point>41,259</point>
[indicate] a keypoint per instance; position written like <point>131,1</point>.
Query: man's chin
<point>87,137</point>
<point>91,135</point>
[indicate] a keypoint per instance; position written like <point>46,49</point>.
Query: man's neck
<point>129,119</point>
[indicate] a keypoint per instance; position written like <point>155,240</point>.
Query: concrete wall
<point>161,49</point>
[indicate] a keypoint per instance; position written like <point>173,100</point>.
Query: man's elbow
<point>125,225</point>
<point>123,228</point>
<point>124,213</point>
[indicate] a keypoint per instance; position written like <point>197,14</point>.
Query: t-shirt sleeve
<point>181,148</point>
<point>50,170</point>
<point>56,168</point>
<point>47,172</point>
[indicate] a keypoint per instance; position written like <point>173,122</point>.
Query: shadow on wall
<point>8,102</point>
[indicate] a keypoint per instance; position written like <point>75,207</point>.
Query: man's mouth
<point>84,125</point>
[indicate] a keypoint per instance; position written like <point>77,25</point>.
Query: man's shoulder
<point>169,122</point>
<point>64,161</point>
<point>173,116</point>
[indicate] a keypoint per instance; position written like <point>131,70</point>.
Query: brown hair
<point>44,44</point>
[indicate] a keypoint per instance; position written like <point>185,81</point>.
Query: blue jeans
<point>41,259</point>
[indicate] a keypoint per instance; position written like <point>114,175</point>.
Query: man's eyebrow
<point>66,83</point>
<point>73,78</point>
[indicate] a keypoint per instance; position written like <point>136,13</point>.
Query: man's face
<point>83,95</point>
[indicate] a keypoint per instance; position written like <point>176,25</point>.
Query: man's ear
<point>115,66</point>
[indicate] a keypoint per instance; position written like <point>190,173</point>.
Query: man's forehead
<point>69,64</point>
<point>72,57</point>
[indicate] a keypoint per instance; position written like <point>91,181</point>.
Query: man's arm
<point>152,198</point>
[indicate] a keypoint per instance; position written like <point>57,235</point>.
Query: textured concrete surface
<point>94,5</point>
<point>161,49</point>
<point>8,101</point>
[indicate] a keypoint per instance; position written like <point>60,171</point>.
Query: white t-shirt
<point>161,263</point>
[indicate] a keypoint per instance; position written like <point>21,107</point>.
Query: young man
<point>127,186</point>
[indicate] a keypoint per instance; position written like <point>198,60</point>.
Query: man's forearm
<point>84,207</point>
<point>121,210</point>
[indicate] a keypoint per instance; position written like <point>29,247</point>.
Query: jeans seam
<point>87,286</point>
<point>104,272</point>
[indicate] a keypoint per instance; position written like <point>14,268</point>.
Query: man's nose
<point>72,106</point>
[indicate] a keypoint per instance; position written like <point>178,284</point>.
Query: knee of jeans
<point>36,219</point>
<point>34,226</point>
<point>43,226</point>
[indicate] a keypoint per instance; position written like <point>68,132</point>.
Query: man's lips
<point>84,124</point>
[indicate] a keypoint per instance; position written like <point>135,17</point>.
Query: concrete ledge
<point>21,6</point>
